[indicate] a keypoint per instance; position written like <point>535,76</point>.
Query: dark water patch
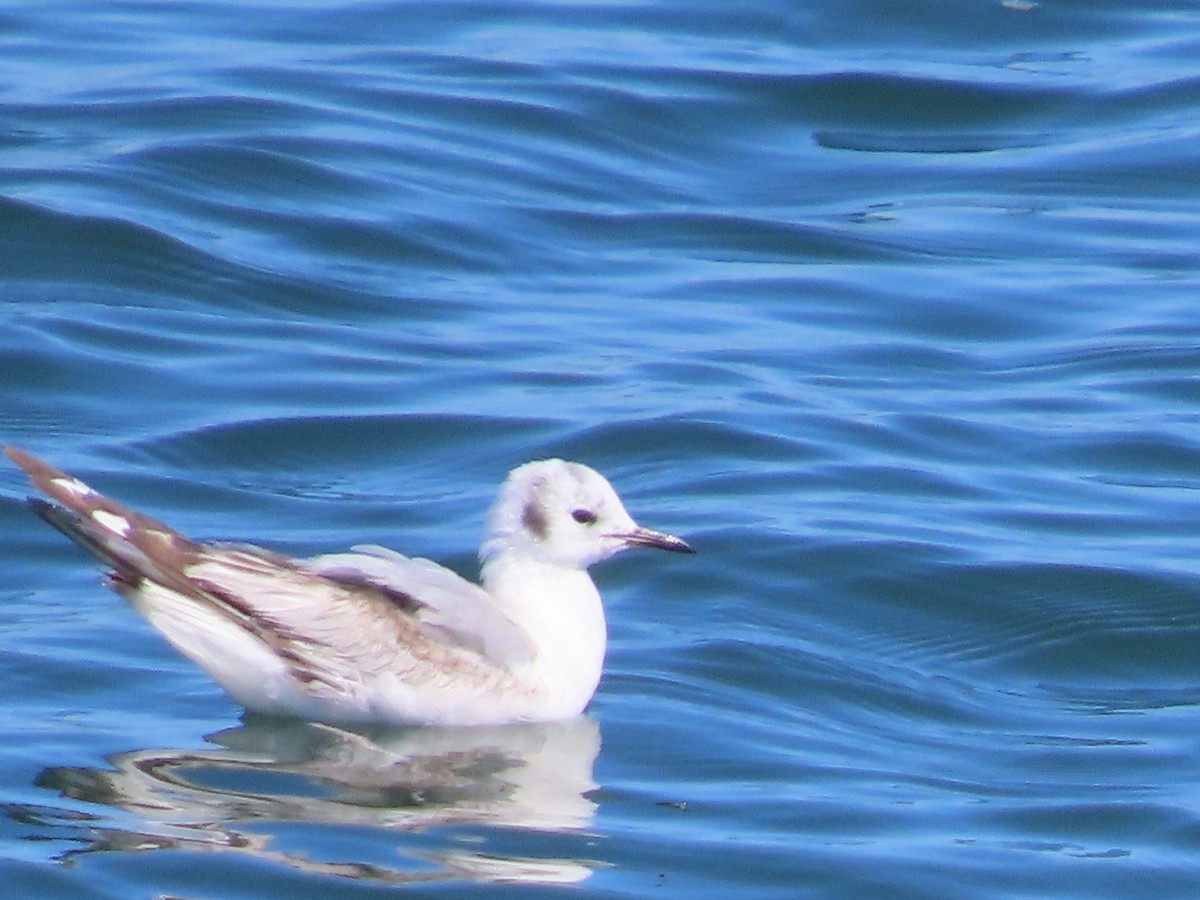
<point>890,142</point>
<point>323,440</point>
<point>1051,622</point>
<point>731,238</point>
<point>66,251</point>
<point>254,176</point>
<point>665,437</point>
<point>1110,455</point>
<point>911,104</point>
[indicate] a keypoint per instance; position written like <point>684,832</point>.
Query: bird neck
<point>560,609</point>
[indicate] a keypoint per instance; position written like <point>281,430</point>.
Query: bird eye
<point>584,516</point>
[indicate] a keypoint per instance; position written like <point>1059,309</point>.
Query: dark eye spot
<point>584,516</point>
<point>533,518</point>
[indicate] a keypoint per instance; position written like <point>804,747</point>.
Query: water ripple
<point>889,308</point>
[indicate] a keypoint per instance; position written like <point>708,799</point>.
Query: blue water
<point>892,309</point>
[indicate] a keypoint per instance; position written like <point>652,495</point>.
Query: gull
<point>369,635</point>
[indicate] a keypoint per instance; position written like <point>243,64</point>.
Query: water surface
<point>889,308</point>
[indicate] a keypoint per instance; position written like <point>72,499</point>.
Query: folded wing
<point>332,622</point>
<point>450,606</point>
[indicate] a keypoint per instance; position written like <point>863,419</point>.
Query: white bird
<point>370,635</point>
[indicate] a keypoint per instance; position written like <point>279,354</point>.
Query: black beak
<point>645,537</point>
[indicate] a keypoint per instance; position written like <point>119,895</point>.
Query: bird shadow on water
<point>422,794</point>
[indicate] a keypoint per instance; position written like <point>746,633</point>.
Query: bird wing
<point>449,604</point>
<point>329,631</point>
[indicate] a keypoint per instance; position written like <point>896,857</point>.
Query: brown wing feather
<point>132,542</point>
<point>330,631</point>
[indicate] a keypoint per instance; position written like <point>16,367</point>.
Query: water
<point>889,308</point>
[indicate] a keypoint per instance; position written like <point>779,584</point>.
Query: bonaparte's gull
<point>370,635</point>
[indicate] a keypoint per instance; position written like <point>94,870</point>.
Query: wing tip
<point>24,460</point>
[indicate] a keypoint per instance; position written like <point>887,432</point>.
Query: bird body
<point>371,635</point>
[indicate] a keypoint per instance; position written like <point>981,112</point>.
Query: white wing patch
<point>73,486</point>
<point>111,522</point>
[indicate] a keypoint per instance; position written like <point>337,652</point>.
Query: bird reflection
<point>536,776</point>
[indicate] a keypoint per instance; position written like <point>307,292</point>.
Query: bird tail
<point>126,540</point>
